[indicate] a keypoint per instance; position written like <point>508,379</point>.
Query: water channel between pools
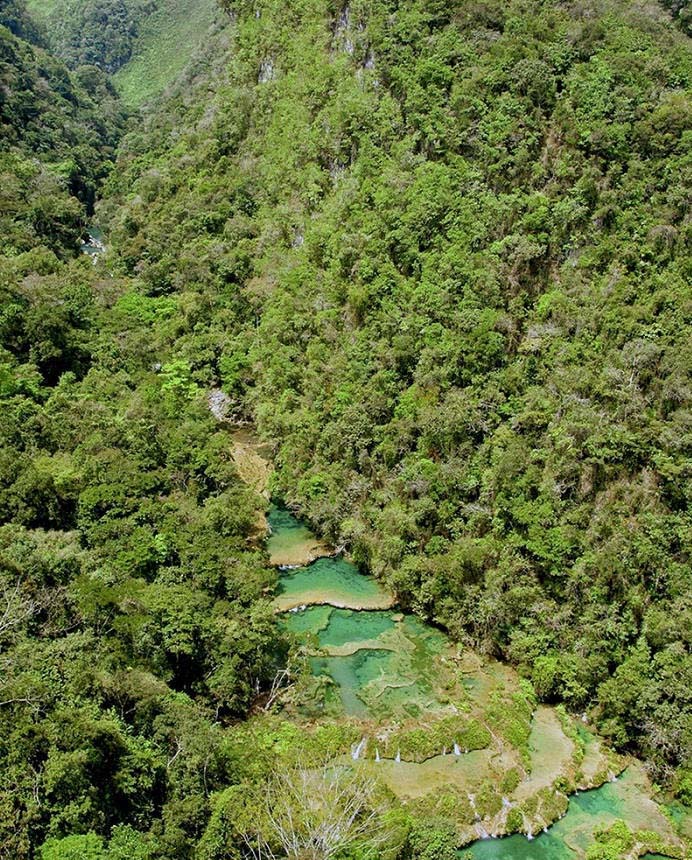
<point>384,668</point>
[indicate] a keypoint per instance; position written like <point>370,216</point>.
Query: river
<point>94,247</point>
<point>423,706</point>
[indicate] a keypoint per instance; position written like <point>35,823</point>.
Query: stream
<point>94,247</point>
<point>383,668</point>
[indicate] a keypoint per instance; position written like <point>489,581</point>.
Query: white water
<point>357,750</point>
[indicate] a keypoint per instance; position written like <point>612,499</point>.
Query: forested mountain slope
<point>447,249</point>
<point>439,253</point>
<point>134,620</point>
<point>57,133</point>
<point>147,42</point>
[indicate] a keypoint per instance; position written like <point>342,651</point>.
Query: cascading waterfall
<point>357,750</point>
<point>486,829</point>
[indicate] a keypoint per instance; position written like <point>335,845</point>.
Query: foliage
<point>144,44</point>
<point>681,12</point>
<point>58,134</point>
<point>168,40</point>
<point>439,253</point>
<point>134,622</point>
<point>310,813</point>
<point>618,841</point>
<point>454,251</point>
<point>433,840</point>
<point>94,32</point>
<point>448,255</point>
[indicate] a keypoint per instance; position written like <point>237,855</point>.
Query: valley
<point>345,475</point>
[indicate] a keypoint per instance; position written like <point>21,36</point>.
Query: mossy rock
<point>423,742</point>
<point>510,780</point>
<point>515,821</point>
<point>447,802</point>
<point>552,804</point>
<point>488,800</point>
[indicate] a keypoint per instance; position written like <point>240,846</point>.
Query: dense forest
<point>96,32</point>
<point>126,634</point>
<point>439,254</point>
<point>142,44</point>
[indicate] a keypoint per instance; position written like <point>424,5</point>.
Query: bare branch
<point>314,813</point>
<point>15,606</point>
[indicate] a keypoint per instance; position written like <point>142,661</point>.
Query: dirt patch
<point>251,460</point>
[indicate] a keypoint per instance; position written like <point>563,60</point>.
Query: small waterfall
<point>529,830</point>
<point>266,71</point>
<point>506,803</point>
<point>444,750</point>
<point>357,750</point>
<point>482,832</point>
<point>219,404</point>
<point>457,750</point>
<point>377,754</point>
<point>398,756</point>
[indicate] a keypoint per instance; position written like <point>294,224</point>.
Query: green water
<point>287,534</point>
<point>587,812</point>
<point>382,663</point>
<point>371,684</point>
<point>330,580</point>
<point>351,674</point>
<point>339,627</point>
<point>94,246</point>
<point>313,619</point>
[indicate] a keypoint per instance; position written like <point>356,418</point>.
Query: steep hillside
<point>440,254</point>
<point>168,40</point>
<point>133,612</point>
<point>93,32</point>
<point>146,42</point>
<point>57,136</point>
